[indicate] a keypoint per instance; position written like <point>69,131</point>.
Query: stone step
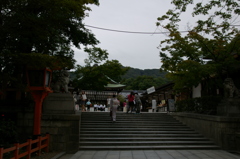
<point>127,124</point>
<point>146,131</point>
<point>158,147</point>
<point>130,122</point>
<point>136,129</point>
<point>133,126</point>
<point>142,143</point>
<point>120,116</point>
<point>176,138</point>
<point>140,135</point>
<point>138,132</point>
<point>124,115</point>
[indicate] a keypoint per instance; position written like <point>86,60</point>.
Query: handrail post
<point>47,142</point>
<point>16,152</point>
<point>29,148</point>
<point>39,144</point>
<point>1,151</point>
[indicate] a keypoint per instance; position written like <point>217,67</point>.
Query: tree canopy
<point>143,82</point>
<point>98,71</point>
<point>135,72</point>
<point>41,33</point>
<point>208,48</point>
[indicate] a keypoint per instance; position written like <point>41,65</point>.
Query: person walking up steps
<point>83,101</point>
<point>138,102</point>
<point>130,102</point>
<point>113,107</point>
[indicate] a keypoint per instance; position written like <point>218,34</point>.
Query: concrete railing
<point>224,131</point>
<point>64,130</point>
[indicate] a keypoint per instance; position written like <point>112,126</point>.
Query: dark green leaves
<point>212,37</point>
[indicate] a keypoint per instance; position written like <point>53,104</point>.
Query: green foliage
<point>214,38</point>
<point>8,133</point>
<point>44,26</point>
<point>41,33</point>
<point>137,79</point>
<point>143,82</point>
<point>202,105</point>
<point>96,77</point>
<point>134,73</point>
<point>95,55</point>
<point>121,98</point>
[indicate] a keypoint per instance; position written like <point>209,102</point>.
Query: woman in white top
<point>113,107</point>
<point>83,100</point>
<point>95,107</point>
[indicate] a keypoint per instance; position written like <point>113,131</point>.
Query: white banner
<point>151,90</point>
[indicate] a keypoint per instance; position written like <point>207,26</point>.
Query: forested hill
<point>134,72</point>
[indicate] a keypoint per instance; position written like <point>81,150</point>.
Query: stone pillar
<point>64,131</point>
<point>61,122</point>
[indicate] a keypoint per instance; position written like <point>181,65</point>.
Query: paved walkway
<point>153,154</point>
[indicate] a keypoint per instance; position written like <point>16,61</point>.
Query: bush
<point>8,133</point>
<point>202,105</point>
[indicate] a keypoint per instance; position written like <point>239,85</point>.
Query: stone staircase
<point>146,131</point>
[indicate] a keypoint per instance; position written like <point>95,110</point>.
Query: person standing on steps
<point>88,104</point>
<point>108,102</point>
<point>130,102</point>
<point>83,101</point>
<point>137,102</point>
<point>113,107</point>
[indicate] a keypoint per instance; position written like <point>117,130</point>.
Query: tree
<point>41,33</point>
<point>94,75</point>
<point>135,72</point>
<point>143,82</point>
<point>215,38</point>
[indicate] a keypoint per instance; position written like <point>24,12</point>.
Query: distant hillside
<point>134,72</point>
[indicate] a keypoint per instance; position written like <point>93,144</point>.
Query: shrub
<point>202,105</point>
<point>8,132</point>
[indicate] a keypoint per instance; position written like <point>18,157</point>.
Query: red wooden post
<point>1,152</point>
<point>38,98</point>
<point>39,144</point>
<point>47,142</point>
<point>39,86</point>
<point>29,148</point>
<point>16,152</point>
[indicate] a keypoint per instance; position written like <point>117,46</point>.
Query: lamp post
<point>39,86</point>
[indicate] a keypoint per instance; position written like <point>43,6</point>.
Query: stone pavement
<point>152,154</point>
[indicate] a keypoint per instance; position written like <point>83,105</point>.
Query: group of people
<point>85,104</point>
<point>99,107</point>
<point>134,102</point>
<point>81,100</point>
<point>113,103</point>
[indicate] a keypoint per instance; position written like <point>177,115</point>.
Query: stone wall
<point>59,119</point>
<point>64,131</point>
<point>229,107</point>
<point>224,131</point>
<point>58,103</point>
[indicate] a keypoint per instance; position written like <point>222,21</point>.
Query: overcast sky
<point>134,50</point>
